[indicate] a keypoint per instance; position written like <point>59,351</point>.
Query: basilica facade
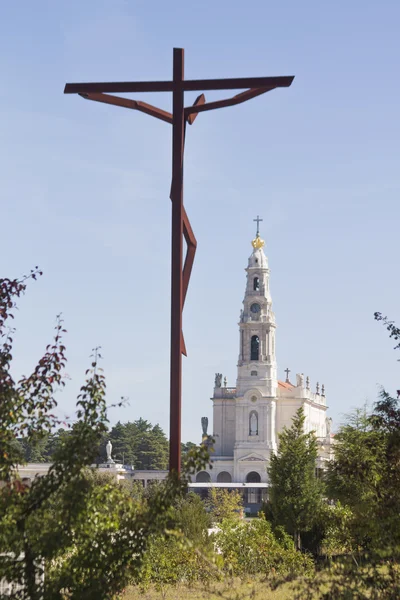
<point>248,418</point>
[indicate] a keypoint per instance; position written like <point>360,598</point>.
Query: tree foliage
<point>365,478</point>
<point>90,535</point>
<point>224,504</point>
<point>138,443</point>
<point>365,473</point>
<point>193,519</point>
<point>251,547</point>
<point>295,493</point>
<point>174,560</point>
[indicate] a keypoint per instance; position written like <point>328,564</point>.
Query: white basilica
<point>248,418</point>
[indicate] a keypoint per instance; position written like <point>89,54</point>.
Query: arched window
<point>224,477</point>
<point>253,494</point>
<point>203,477</point>
<point>253,423</point>
<point>256,284</point>
<point>255,347</point>
<point>253,477</point>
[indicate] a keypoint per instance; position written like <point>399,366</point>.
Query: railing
<point>225,392</point>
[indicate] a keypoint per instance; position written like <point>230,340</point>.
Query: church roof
<point>285,385</point>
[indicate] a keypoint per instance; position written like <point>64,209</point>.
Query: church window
<point>254,398</point>
<point>253,477</point>
<point>224,477</point>
<point>256,261</point>
<point>253,373</point>
<point>203,477</point>
<point>253,494</point>
<point>253,423</point>
<point>255,347</point>
<point>256,284</point>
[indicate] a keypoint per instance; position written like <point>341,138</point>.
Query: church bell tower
<point>247,418</point>
<point>257,360</point>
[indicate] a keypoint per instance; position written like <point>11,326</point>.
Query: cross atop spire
<point>287,371</point>
<point>258,225</point>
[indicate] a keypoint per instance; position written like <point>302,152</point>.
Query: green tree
<point>365,478</point>
<point>123,444</point>
<point>354,475</point>
<point>193,519</point>
<point>138,443</point>
<point>37,450</point>
<point>224,504</point>
<point>91,534</point>
<point>365,473</point>
<point>295,493</point>
<point>157,448</point>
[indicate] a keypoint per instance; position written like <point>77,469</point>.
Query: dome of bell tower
<point>257,259</point>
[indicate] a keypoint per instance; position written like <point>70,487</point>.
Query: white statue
<point>108,451</point>
<point>300,380</point>
<point>253,424</point>
<point>328,422</point>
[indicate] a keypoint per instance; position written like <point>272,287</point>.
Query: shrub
<point>174,560</point>
<point>251,547</point>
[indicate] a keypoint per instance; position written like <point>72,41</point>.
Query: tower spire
<point>257,357</point>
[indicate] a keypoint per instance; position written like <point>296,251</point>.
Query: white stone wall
<point>224,426</point>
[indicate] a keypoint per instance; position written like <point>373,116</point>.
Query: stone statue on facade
<point>109,451</point>
<point>204,425</point>
<point>218,380</point>
<point>328,422</point>
<point>253,424</point>
<point>300,380</point>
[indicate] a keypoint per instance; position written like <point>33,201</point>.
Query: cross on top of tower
<point>258,220</point>
<point>257,243</point>
<point>287,371</point>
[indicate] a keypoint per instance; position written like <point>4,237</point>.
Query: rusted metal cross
<point>181,228</point>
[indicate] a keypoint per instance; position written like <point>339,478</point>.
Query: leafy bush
<point>251,547</point>
<point>193,519</point>
<point>174,560</point>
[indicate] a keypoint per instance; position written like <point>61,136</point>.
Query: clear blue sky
<point>85,192</point>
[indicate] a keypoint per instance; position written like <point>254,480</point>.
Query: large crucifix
<point>181,228</point>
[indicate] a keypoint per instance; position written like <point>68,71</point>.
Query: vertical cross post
<point>178,132</point>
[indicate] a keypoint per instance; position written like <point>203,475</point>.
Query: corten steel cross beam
<point>101,92</point>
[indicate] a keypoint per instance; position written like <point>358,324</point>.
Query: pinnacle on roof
<point>258,243</point>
